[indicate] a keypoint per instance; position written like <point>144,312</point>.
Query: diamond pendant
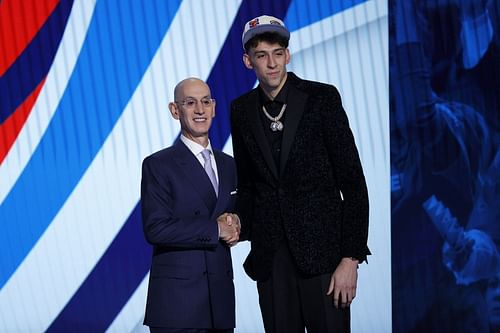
<point>276,126</point>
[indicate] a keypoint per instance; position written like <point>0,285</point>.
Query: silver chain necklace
<point>276,124</point>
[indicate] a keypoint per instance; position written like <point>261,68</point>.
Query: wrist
<point>351,260</point>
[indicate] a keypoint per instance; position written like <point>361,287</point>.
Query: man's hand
<point>343,283</point>
<point>233,219</point>
<point>229,228</point>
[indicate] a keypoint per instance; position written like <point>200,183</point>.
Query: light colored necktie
<point>209,170</point>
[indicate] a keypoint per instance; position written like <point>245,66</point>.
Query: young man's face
<point>269,63</point>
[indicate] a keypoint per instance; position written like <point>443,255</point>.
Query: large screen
<point>85,87</point>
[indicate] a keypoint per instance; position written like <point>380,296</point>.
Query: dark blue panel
<point>445,165</point>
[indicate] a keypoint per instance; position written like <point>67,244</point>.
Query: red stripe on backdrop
<point>20,21</point>
<point>11,127</point>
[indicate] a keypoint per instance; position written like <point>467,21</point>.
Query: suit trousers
<point>290,302</point>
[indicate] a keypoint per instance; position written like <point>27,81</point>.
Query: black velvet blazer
<point>302,201</point>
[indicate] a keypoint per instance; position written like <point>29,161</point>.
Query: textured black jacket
<point>302,201</point>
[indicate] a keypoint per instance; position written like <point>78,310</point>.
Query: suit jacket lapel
<point>295,109</point>
<point>252,110</point>
<point>195,174</point>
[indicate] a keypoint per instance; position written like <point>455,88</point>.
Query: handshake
<point>229,228</point>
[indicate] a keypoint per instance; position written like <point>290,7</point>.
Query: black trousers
<point>291,302</point>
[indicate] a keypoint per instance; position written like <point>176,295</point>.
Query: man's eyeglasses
<point>191,103</point>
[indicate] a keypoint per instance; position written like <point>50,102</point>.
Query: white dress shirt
<point>196,149</point>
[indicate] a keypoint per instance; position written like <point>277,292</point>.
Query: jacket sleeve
<point>348,173</point>
<point>246,189</point>
<point>161,227</point>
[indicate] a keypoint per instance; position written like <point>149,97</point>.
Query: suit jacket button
<point>197,212</point>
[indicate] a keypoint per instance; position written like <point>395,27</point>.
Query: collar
<point>195,147</point>
<point>281,97</point>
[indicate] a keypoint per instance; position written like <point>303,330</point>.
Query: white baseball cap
<point>261,24</point>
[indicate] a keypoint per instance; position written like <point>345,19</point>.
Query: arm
<point>348,173</point>
<point>244,201</point>
<point>351,181</point>
<point>161,226</point>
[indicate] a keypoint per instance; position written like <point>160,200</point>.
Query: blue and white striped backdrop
<point>72,253</point>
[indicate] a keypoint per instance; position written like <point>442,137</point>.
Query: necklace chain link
<point>276,124</point>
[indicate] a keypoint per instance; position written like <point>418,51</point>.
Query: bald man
<point>187,193</point>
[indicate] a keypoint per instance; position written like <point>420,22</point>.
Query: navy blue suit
<point>191,278</point>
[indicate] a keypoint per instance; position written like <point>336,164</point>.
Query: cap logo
<point>253,23</point>
<point>274,22</point>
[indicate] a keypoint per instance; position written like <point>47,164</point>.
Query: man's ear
<point>247,62</point>
<point>288,56</point>
<point>173,110</point>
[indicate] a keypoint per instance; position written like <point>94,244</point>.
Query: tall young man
<point>302,196</point>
